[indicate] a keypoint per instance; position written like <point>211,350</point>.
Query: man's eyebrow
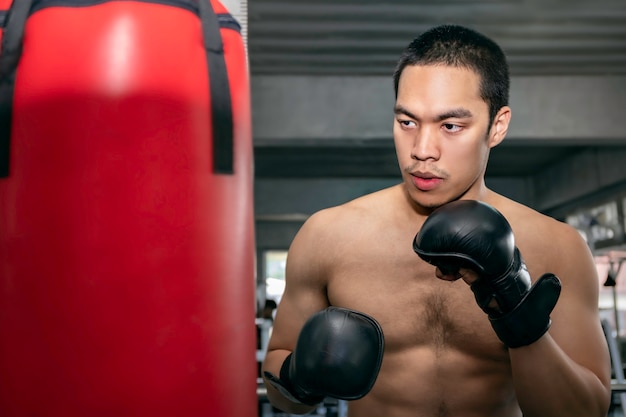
<point>398,109</point>
<point>459,113</point>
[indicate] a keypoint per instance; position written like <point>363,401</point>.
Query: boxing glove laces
<point>472,234</point>
<point>338,354</point>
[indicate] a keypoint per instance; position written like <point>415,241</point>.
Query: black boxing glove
<point>471,234</point>
<point>338,354</point>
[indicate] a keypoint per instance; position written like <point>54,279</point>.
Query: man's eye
<point>406,123</point>
<point>450,127</point>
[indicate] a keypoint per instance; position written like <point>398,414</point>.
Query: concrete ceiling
<point>365,37</point>
<point>353,38</point>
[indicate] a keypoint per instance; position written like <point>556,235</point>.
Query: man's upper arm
<point>575,320</point>
<point>305,287</point>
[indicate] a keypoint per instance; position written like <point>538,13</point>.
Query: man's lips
<point>426,182</point>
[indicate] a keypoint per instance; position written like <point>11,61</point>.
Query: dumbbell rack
<point>615,259</point>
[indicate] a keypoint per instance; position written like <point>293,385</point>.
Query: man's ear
<point>500,126</point>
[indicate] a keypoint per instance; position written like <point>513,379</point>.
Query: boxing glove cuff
<point>288,389</point>
<point>530,319</point>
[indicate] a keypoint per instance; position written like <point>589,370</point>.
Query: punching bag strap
<point>13,32</point>
<point>222,111</point>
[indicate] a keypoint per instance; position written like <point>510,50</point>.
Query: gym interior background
<point>322,98</point>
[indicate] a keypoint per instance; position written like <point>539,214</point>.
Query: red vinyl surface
<point>126,265</point>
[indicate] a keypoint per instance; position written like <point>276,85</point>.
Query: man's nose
<point>425,145</point>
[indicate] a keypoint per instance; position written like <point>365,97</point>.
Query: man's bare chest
<point>414,307</point>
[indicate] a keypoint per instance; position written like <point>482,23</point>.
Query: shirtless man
<point>444,355</point>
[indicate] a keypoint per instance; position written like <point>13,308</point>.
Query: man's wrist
<point>289,389</point>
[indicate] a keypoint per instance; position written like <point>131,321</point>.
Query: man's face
<point>441,133</point>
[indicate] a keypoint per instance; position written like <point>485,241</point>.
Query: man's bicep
<point>305,290</point>
<point>575,320</point>
<point>294,309</point>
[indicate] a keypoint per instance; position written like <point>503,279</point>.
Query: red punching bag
<point>126,220</point>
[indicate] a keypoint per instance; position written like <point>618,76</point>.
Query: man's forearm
<point>548,383</point>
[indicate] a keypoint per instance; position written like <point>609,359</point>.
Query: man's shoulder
<point>354,215</point>
<point>528,223</point>
<point>547,242</point>
<point>364,204</point>
<point>528,217</point>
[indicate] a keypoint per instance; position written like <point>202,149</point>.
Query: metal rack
<point>615,260</point>
<point>329,408</point>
